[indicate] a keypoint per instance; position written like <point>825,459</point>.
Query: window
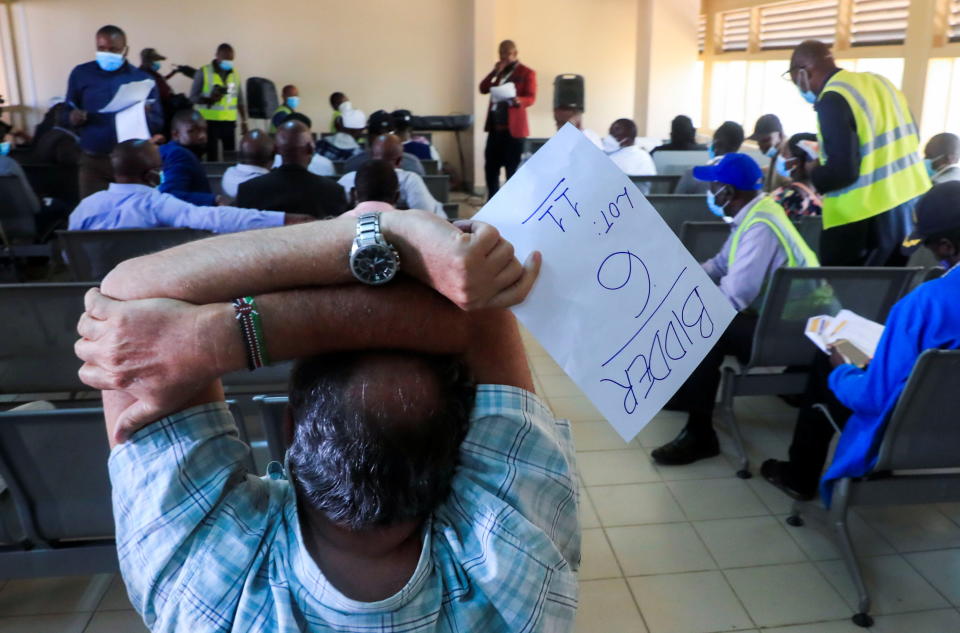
<point>702,32</point>
<point>786,25</point>
<point>879,22</point>
<point>941,103</point>
<point>953,28</point>
<point>741,91</point>
<point>889,67</point>
<point>736,30</point>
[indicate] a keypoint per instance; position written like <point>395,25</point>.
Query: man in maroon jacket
<point>507,116</point>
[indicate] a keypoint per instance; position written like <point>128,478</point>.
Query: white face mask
<point>346,105</point>
<point>610,144</point>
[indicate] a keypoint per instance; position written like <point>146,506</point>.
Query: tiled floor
<point>666,550</point>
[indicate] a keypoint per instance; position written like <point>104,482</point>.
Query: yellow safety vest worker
<point>891,171</point>
<point>226,108</point>
<point>770,213</point>
<point>284,109</point>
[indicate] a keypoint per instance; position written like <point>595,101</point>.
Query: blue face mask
<point>781,166</point>
<point>710,152</point>
<point>4,148</point>
<point>807,94</point>
<point>226,64</point>
<point>109,61</point>
<point>293,102</point>
<point>928,163</point>
<point>772,152</point>
<point>155,65</point>
<point>715,208</point>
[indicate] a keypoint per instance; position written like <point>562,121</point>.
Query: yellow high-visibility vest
<point>891,170</point>
<point>226,108</point>
<point>285,109</point>
<point>770,213</point>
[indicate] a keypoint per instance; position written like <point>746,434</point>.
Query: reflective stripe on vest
<point>891,170</point>
<point>770,213</point>
<point>226,108</point>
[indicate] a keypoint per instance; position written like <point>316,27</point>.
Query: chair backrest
<point>17,215</point>
<point>658,184</point>
<point>92,254</point>
<point>677,209</point>
<point>531,145</point>
<point>54,181</point>
<point>922,432</point>
<point>216,183</point>
<point>55,464</point>
<point>36,355</point>
<point>439,187</point>
<point>452,209</point>
<point>216,168</point>
<point>676,163</point>
<point>704,239</point>
<point>272,415</point>
<point>430,167</point>
<point>795,294</point>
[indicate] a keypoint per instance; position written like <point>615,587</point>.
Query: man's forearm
<point>405,315</point>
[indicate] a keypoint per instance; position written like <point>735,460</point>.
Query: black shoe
<point>687,448</point>
<point>778,473</point>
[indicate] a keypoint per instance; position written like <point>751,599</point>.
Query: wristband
<point>251,330</point>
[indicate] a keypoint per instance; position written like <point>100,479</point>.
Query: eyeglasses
<point>788,74</point>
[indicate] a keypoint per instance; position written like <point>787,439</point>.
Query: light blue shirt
<point>126,206</point>
<point>205,546</point>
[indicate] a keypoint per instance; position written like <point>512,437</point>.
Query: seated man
<point>419,146</point>
<point>183,174</point>
<point>380,123</point>
<point>409,498</point>
<point>319,164</point>
<point>621,146</point>
<point>291,187</point>
<point>862,399</point>
<point>797,196</point>
<point>376,188</point>
<point>413,191</point>
<point>683,137</point>
<point>255,159</point>
<point>727,139</point>
<point>574,116</point>
<point>340,103</point>
<point>762,239</point>
<point>132,202</point>
<point>290,96</point>
<point>769,136</point>
<point>344,144</point>
<point>942,157</point>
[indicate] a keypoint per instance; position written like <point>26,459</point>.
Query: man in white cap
<point>344,144</point>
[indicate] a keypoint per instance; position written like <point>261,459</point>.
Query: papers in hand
<point>506,92</point>
<point>855,337</point>
<point>129,94</point>
<point>129,105</point>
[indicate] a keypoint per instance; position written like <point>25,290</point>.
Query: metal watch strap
<point>368,230</point>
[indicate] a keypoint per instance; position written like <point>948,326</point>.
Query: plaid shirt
<point>205,546</point>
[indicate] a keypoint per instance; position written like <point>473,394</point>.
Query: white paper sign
<point>132,123</point>
<point>620,304</point>
<point>506,92</point>
<point>129,94</point>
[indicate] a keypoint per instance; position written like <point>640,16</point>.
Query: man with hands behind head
<point>408,495</point>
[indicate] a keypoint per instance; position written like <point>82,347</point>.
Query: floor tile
<point>596,557</point>
<point>560,387</point>
<point>575,408</point>
<point>115,599</point>
<point>913,528</point>
<point>835,626</point>
<point>603,468</point>
<point>663,548</point>
<point>665,426</point>
<point>608,606</point>
<point>38,596</point>
<point>635,504</point>
<point>689,603</point>
<point>597,436</point>
<point>942,569</point>
<point>717,499</point>
<point>893,586</point>
<point>588,516</point>
<point>952,510</point>
<point>116,622</point>
<point>818,541</point>
<point>774,499</point>
<point>713,468</point>
<point>63,623</point>
<point>940,621</point>
<point>749,542</point>
<point>786,594</point>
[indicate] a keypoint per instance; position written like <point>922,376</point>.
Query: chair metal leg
<point>795,520</point>
<point>728,382</point>
<point>838,519</point>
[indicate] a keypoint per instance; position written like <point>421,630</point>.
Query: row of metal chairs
<point>438,185</point>
<point>217,168</point>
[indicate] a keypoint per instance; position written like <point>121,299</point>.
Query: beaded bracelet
<point>251,329</point>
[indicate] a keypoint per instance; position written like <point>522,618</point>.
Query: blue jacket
<point>927,318</point>
<point>184,176</point>
<point>91,88</point>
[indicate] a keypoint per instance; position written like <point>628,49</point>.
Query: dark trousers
<point>871,242</point>
<point>698,394</point>
<point>502,150</point>
<point>94,173</point>
<point>223,131</point>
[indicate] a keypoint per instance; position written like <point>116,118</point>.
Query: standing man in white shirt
<point>256,157</point>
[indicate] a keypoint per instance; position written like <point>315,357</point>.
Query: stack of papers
<point>855,337</point>
<point>506,92</point>
<point>129,105</point>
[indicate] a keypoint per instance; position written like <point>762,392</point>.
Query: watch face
<point>374,264</point>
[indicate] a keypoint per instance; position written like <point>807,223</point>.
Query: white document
<point>129,94</point>
<point>132,123</point>
<point>855,336</point>
<point>620,304</point>
<point>506,92</point>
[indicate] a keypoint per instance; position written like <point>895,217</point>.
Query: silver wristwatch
<point>373,260</point>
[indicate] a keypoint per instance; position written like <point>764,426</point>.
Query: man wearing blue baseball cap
<point>762,239</point>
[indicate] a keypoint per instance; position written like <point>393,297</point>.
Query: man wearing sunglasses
<point>870,171</point>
